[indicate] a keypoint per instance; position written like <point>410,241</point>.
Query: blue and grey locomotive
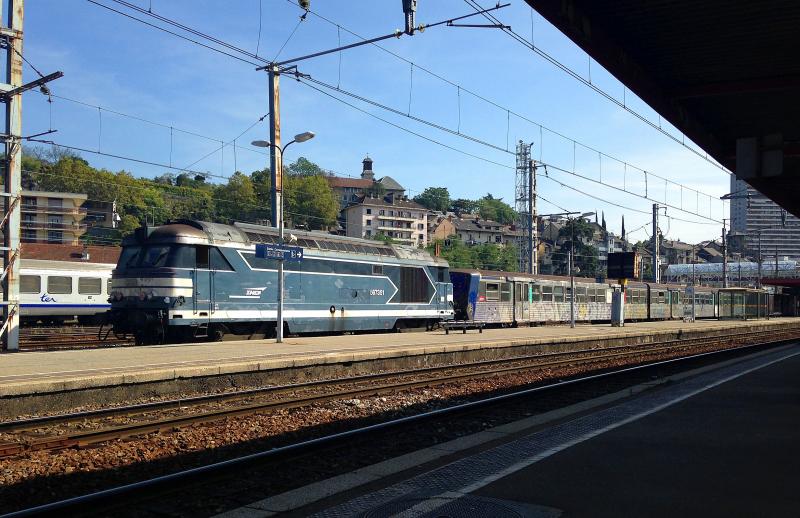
<point>193,280</point>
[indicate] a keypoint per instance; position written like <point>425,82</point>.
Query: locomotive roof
<point>246,234</point>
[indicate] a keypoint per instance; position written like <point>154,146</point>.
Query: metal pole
<point>759,260</point>
<point>276,173</point>
<point>13,179</point>
<point>656,276</point>
<point>776,261</point>
<point>724,258</point>
<point>531,219</point>
<point>572,276</point>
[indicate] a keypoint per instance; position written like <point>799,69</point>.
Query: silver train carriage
<point>505,298</point>
<point>192,280</point>
<point>53,292</point>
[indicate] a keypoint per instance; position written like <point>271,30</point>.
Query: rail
<point>170,481</point>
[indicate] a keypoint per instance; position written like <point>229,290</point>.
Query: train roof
<point>245,234</point>
<point>518,276</point>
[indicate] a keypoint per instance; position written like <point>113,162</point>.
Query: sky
<point>199,99</point>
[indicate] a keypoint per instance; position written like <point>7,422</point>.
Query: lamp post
<point>277,211</point>
<point>571,267</point>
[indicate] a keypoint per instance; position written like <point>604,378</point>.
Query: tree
<point>310,201</point>
<point>303,167</point>
<point>463,206</point>
<point>586,255</point>
<point>383,238</point>
<point>235,200</point>
<point>496,209</point>
<point>434,198</point>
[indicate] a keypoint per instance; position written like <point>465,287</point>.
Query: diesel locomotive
<point>193,280</point>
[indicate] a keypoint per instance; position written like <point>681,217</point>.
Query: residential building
<point>678,252</point>
<point>476,231</point>
<point>440,226</point>
<point>752,213</point>
<point>52,217</point>
<point>394,216</point>
<point>349,190</point>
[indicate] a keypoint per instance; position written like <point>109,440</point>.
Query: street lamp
<point>571,267</point>
<point>277,213</point>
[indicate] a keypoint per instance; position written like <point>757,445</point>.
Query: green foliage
<point>303,167</point>
<point>463,206</point>
<point>586,256</point>
<point>434,198</point>
<point>496,209</point>
<point>310,201</point>
<point>383,238</point>
<point>486,256</point>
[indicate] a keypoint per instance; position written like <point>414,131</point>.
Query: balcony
<point>74,228</point>
<point>396,218</point>
<point>44,209</point>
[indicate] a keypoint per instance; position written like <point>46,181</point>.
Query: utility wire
<point>622,104</point>
<point>460,87</point>
<point>237,49</point>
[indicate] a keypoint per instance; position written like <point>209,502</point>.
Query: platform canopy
<point>724,72</point>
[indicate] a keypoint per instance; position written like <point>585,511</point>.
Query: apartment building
<point>394,216</point>
<point>752,214</point>
<point>52,217</point>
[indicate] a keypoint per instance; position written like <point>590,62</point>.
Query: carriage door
<point>203,285</point>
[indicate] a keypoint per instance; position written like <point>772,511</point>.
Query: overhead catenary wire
<point>232,47</point>
<point>479,10</point>
<point>622,104</point>
<point>460,87</point>
<point>303,79</point>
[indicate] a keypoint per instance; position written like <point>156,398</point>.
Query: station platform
<point>119,374</point>
<point>722,442</point>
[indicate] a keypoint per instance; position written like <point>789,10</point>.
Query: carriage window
<point>547,293</point>
<point>522,292</point>
<point>580,294</point>
<point>30,284</point>
<point>492,291</point>
<point>59,285</point>
<point>558,294</point>
<point>536,293</point>
<point>218,261</point>
<point>108,286</point>
<point>377,269</point>
<point>505,293</point>
<point>90,285</point>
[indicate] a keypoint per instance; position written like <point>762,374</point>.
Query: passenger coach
<point>190,280</point>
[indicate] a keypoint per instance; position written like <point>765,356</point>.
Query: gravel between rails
<point>40,476</point>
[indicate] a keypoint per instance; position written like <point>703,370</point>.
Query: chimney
<point>366,172</point>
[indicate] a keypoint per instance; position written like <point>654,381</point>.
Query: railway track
<point>66,337</point>
<point>82,429</point>
<point>311,450</point>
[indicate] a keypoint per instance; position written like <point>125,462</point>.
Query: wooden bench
<point>463,325</point>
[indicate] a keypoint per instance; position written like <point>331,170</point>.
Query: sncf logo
<point>256,292</point>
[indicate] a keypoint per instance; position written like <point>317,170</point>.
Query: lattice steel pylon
<point>525,200</point>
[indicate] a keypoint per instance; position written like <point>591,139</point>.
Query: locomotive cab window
<point>218,261</point>
<point>90,285</point>
<point>59,285</point>
<point>30,284</point>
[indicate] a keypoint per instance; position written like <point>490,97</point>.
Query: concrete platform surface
<point>43,372</point>
<point>721,443</point>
